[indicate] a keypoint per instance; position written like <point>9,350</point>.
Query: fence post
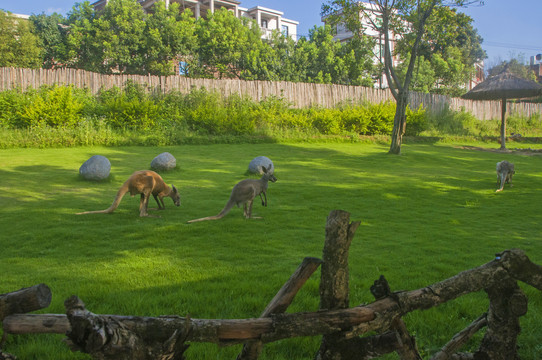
<point>334,284</point>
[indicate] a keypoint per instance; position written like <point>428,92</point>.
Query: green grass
<point>425,216</point>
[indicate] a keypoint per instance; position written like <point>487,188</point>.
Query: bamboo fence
<point>300,95</point>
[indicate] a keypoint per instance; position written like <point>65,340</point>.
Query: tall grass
<point>425,216</point>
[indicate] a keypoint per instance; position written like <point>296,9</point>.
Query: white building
<point>268,19</point>
<point>367,19</point>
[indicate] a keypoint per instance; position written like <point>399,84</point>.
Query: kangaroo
<point>146,183</point>
<point>505,171</point>
<point>244,193</point>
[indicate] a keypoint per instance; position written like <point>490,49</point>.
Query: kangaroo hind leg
<point>145,196</point>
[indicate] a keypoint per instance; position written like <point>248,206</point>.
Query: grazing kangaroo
<point>244,193</point>
<point>146,183</point>
<point>505,171</point>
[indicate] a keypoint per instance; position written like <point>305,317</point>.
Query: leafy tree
<point>451,47</point>
<point>321,59</point>
<point>516,67</point>
<point>282,56</point>
<point>229,47</point>
<point>82,50</point>
<point>169,35</point>
<point>119,39</point>
<point>19,47</point>
<point>51,30</point>
<point>389,17</point>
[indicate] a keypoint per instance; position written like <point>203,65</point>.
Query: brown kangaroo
<point>505,171</point>
<point>146,183</point>
<point>244,193</point>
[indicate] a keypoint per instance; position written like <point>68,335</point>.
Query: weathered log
<point>366,348</point>
<point>334,281</point>
<point>409,349</point>
<point>513,262</point>
<point>25,300</point>
<point>506,304</point>
<point>461,338</point>
<point>281,301</point>
<point>36,324</point>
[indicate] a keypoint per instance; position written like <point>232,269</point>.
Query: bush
<point>416,122</point>
<point>54,106</point>
<point>130,108</point>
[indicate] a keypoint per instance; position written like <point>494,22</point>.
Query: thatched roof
<point>504,85</point>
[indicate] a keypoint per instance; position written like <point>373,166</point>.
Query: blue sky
<point>509,28</point>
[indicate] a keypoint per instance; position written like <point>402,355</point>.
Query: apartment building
<point>536,66</point>
<point>268,19</point>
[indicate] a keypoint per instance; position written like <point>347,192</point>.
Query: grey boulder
<point>257,163</point>
<point>164,161</point>
<point>97,167</point>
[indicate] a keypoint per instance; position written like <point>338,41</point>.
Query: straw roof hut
<point>502,87</point>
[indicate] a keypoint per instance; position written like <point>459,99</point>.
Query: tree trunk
<point>399,123</point>
<point>503,124</point>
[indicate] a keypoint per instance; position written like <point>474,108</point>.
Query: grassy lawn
<point>425,216</point>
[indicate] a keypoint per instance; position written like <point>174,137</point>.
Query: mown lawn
<point>425,216</point>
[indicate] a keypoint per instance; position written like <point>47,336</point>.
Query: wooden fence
<point>300,95</point>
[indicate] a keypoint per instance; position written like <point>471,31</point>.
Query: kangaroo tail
<point>113,206</point>
<point>220,215</point>
<point>502,180</point>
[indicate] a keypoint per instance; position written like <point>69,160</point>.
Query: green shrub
<point>327,121</point>
<point>55,106</point>
<point>11,103</point>
<point>381,118</point>
<point>129,108</point>
<point>416,121</point>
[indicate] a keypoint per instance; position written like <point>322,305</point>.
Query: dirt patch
<point>528,152</point>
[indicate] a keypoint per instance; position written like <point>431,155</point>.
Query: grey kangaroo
<point>505,171</point>
<point>244,193</point>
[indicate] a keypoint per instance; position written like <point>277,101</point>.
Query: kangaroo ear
<point>264,170</point>
<point>174,188</point>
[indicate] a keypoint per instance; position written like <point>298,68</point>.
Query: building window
<point>264,24</point>
<point>183,68</point>
<point>284,30</point>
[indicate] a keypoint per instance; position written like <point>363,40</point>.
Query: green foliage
<point>51,31</point>
<point>516,66</point>
<point>210,113</point>
<point>120,37</point>
<point>56,106</point>
<point>169,36</point>
<point>129,108</point>
<point>417,121</point>
<point>19,47</point>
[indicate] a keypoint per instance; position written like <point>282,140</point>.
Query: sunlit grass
<point>425,216</point>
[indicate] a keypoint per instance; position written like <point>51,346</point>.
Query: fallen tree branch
<point>25,300</point>
<point>281,301</point>
<point>460,339</point>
